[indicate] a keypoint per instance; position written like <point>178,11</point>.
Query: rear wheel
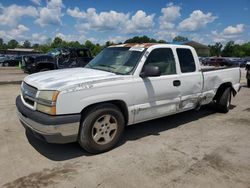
<point>101,128</point>
<point>248,82</point>
<point>224,101</point>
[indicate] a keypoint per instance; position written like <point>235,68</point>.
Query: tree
<point>97,49</point>
<point>74,44</point>
<point>138,39</point>
<point>26,44</point>
<point>44,48</point>
<point>143,39</point>
<point>57,42</point>
<point>88,44</point>
<point>162,41</point>
<point>35,46</point>
<point>228,49</point>
<point>12,44</point>
<point>215,50</point>
<point>1,43</point>
<point>246,49</point>
<point>180,39</point>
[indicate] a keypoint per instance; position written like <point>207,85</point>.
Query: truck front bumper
<point>53,129</point>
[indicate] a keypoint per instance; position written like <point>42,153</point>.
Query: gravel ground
<point>11,75</point>
<point>192,149</point>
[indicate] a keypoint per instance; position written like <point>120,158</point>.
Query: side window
<point>164,59</point>
<point>83,53</point>
<point>186,60</point>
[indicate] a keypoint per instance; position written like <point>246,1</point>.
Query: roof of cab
<point>147,45</point>
<point>142,45</point>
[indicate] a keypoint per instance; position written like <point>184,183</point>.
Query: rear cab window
<point>186,60</point>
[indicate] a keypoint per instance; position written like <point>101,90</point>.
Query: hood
<point>29,59</point>
<point>64,78</point>
<point>37,55</point>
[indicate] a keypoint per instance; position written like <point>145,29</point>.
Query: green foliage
<point>26,44</point>
<point>12,44</point>
<point>162,41</point>
<point>1,42</point>
<point>180,39</point>
<point>230,49</point>
<point>215,50</point>
<point>57,42</point>
<point>143,39</point>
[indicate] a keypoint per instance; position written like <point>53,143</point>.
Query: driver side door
<point>159,96</point>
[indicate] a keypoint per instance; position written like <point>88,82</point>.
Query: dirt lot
<point>11,75</point>
<point>192,149</point>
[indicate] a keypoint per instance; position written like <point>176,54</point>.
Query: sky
<point>205,21</point>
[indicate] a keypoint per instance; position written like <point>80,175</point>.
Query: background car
<point>58,58</point>
<point>10,60</point>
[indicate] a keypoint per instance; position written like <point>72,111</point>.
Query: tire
<point>6,64</point>
<point>101,128</point>
<point>248,82</point>
<point>224,101</point>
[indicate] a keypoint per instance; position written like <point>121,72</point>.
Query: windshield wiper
<point>104,65</point>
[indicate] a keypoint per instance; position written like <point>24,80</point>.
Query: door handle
<point>176,83</point>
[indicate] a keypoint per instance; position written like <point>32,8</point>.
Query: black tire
<point>248,82</point>
<point>6,64</point>
<point>88,127</point>
<point>224,101</point>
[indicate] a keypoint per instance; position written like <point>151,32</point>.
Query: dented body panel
<point>145,98</point>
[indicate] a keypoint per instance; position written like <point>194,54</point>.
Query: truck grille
<point>28,93</point>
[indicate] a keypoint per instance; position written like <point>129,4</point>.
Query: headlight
<point>46,102</point>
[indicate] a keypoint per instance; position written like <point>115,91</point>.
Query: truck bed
<point>213,68</point>
<point>214,76</point>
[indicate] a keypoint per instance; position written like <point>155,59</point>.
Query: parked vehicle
<point>218,61</point>
<point>236,61</point>
<point>2,57</point>
<point>58,58</point>
<point>123,85</point>
<point>248,73</point>
<point>10,60</point>
<point>242,62</point>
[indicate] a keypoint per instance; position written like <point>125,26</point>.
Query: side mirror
<point>150,71</point>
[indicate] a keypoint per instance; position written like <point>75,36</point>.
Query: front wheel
<point>224,101</point>
<point>248,82</point>
<point>101,128</point>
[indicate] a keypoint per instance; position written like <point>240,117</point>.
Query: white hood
<point>59,79</point>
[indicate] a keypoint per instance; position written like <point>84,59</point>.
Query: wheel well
<point>45,65</point>
<point>119,103</point>
<point>222,88</point>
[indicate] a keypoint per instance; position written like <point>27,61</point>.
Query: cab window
<point>186,60</point>
<point>164,59</point>
<point>83,53</point>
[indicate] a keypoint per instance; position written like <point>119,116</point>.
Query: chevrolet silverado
<point>123,85</point>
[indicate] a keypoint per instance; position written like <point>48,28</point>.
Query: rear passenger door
<point>190,79</point>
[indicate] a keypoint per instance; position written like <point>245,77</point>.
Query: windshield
<point>59,51</point>
<point>54,52</point>
<point>119,60</point>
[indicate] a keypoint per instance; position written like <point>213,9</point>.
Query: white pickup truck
<point>123,85</point>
